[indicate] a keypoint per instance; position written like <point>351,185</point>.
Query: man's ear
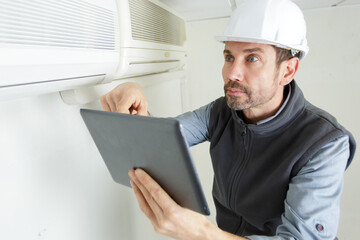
<point>290,68</point>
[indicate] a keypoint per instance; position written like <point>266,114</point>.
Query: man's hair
<point>283,54</point>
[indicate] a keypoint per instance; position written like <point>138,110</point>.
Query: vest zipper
<point>238,168</point>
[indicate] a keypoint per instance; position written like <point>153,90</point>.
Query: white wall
<point>53,182</point>
<point>328,77</point>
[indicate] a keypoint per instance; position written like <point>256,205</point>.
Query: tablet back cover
<point>155,145</point>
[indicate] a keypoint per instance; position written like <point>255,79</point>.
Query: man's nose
<point>235,72</point>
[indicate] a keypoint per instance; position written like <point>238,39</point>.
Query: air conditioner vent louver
<point>57,23</point>
<point>149,22</point>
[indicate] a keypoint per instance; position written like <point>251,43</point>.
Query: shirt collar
<point>279,111</point>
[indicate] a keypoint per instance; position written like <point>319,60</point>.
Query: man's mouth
<point>235,91</point>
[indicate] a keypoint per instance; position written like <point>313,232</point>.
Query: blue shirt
<point>312,204</point>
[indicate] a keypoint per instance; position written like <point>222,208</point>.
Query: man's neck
<point>256,114</point>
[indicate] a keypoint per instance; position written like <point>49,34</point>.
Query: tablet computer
<point>155,145</point>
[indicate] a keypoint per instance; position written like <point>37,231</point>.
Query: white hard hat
<point>276,22</point>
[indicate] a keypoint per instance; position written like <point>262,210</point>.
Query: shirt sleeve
<point>312,204</point>
<point>195,124</point>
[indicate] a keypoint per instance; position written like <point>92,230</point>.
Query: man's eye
<point>229,58</point>
<point>253,59</point>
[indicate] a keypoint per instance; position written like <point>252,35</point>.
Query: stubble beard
<point>252,100</point>
<point>234,102</point>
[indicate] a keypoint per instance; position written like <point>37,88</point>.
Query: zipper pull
<point>243,132</point>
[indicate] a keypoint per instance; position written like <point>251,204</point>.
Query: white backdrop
<point>53,182</point>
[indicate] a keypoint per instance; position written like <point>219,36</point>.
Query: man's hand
<point>167,217</point>
<point>126,98</point>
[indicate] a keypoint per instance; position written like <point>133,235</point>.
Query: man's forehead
<point>246,47</point>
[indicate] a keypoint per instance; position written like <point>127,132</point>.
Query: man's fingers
<point>143,109</point>
<point>104,104</point>
<point>154,190</point>
<point>125,105</point>
<point>148,197</point>
<point>147,204</point>
<point>144,206</point>
<point>110,102</point>
<point>126,98</point>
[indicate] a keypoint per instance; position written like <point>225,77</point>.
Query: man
<point>278,160</point>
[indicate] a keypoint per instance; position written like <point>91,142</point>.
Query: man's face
<point>251,76</point>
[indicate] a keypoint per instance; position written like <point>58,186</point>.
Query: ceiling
<point>194,10</point>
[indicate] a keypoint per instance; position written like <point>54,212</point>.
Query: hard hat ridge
<point>276,22</point>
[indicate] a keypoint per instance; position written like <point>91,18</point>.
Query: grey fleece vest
<point>253,164</point>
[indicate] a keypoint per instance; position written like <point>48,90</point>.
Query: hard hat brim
<point>224,39</point>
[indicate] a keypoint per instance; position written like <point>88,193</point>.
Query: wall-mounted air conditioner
<point>54,45</point>
<point>152,38</point>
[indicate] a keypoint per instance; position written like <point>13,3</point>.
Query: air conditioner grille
<point>57,23</point>
<point>150,22</point>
